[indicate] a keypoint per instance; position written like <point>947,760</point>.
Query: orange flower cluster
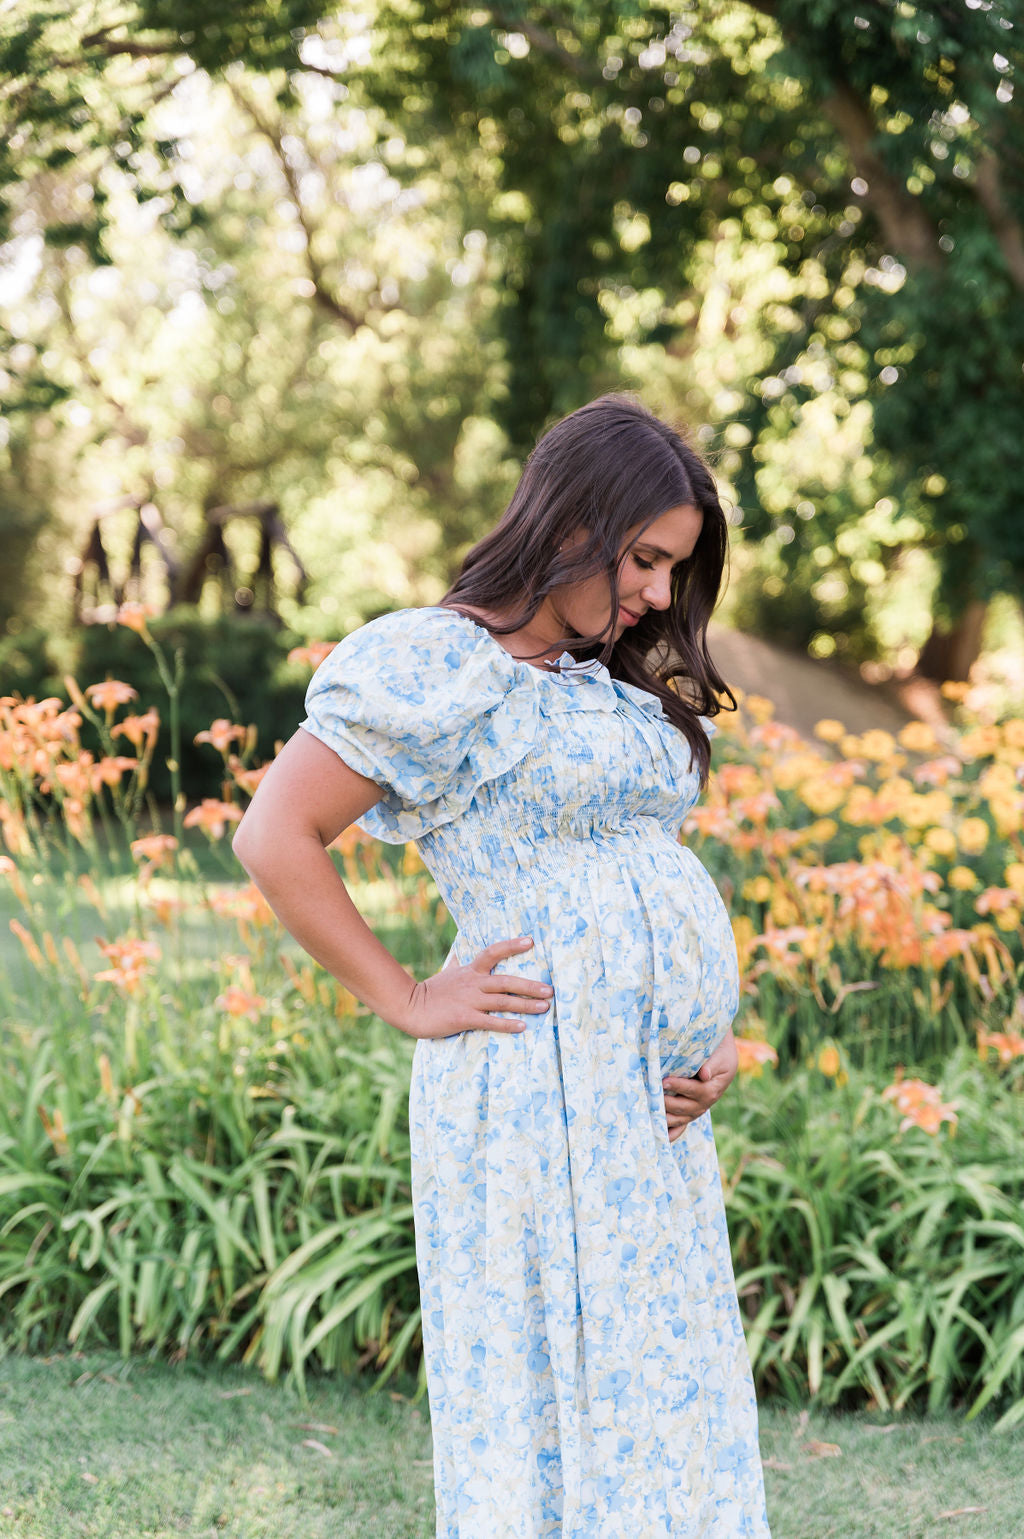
<point>36,734</point>
<point>921,1104</point>
<point>131,960</point>
<point>40,746</point>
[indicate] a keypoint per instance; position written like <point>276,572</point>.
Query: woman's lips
<point>627,617</point>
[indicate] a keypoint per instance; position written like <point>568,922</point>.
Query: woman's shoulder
<point>433,651</point>
<point>429,628</point>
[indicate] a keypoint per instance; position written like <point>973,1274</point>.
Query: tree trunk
<point>950,650</point>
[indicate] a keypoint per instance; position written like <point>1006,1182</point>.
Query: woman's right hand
<point>463,997</point>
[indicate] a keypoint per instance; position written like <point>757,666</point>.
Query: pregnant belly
<point>639,950</point>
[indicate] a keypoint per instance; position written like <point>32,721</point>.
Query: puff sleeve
<point>427,704</point>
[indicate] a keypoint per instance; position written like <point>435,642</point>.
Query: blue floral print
<point>587,1370</point>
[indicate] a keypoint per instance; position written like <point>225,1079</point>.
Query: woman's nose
<point>657,592</point>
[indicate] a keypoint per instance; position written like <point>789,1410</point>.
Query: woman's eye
<point>647,566</point>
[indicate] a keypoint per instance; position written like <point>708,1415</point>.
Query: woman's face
<point>646,559</point>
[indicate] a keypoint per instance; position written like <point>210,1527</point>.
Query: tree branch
<point>1005,228</point>
<point>541,39</point>
<point>322,294</point>
<point>115,45</point>
<point>907,228</point>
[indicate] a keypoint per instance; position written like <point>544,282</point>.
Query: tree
<point>236,299</point>
<point>877,148</point>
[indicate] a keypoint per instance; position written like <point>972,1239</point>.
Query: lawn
<point>95,1448</point>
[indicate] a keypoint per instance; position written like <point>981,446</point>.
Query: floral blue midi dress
<point>587,1370</point>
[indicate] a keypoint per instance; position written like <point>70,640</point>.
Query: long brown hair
<point>605,469</point>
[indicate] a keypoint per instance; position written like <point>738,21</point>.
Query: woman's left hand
<point>687,1099</point>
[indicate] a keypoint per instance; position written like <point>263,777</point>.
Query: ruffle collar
<point>583,685</point>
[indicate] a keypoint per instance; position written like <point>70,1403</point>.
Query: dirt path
<point>803,690</point>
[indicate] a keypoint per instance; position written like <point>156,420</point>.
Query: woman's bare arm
<point>305,800</point>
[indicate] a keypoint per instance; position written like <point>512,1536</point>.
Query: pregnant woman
<point>587,1370</point>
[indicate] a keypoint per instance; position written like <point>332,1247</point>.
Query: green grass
<point>95,1448</point>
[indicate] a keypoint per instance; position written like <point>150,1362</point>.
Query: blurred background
<point>287,292</point>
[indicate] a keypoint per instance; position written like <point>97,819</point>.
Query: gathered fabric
<point>586,1364</point>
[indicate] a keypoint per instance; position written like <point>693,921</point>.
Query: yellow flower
<point>941,841</point>
<point>820,795</point>
<point>1013,733</point>
<point>997,780</point>
<point>876,744</point>
<point>955,689</point>
<point>962,878</point>
<point>828,1060</point>
<point>1014,875</point>
<point>758,889</point>
<point>930,807</point>
<point>829,730</point>
<point>980,743</point>
<point>1007,814</point>
<point>849,746</point>
<point>759,708</point>
<point>824,829</point>
<point>918,737</point>
<point>784,911</point>
<point>973,835</point>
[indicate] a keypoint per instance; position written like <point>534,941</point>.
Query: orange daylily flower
<point>135,616</point>
<point>246,779</point>
<point>237,1001</point>
<point>1007,1044</point>
<point>111,693</point>
<point>244,903</point>
<point>754,1054</point>
<point>108,772</point>
<point>221,734</point>
<point>156,848</point>
<point>313,654</point>
<point>212,816</point>
<point>141,731</point>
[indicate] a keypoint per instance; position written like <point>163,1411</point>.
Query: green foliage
<point>235,668</point>
<point>345,249</point>
<point>27,665</point>
<point>875,1261</point>
<point>874,152</point>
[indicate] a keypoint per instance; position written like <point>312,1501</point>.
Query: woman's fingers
<point>500,951</point>
<point>506,983</point>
